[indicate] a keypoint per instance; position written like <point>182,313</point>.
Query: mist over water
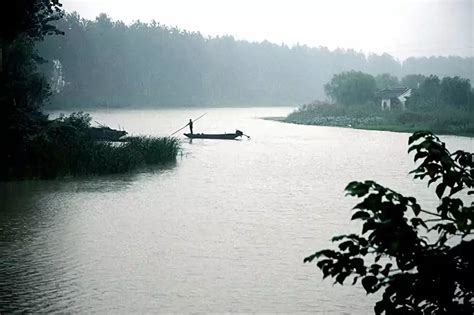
<point>225,229</point>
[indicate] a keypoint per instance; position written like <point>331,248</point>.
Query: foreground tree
<point>23,89</point>
<point>422,260</point>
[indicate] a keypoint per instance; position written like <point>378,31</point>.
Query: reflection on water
<point>223,230</point>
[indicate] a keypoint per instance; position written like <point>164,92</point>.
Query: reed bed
<point>64,148</point>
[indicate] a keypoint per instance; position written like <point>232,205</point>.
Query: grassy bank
<point>371,117</point>
<point>63,148</point>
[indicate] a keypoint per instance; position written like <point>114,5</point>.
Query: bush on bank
<point>64,147</point>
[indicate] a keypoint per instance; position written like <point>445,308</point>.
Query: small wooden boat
<point>104,133</point>
<point>221,136</point>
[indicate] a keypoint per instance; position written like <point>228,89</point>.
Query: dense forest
<point>108,63</point>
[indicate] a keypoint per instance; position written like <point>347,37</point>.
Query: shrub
<point>423,260</point>
<point>64,147</point>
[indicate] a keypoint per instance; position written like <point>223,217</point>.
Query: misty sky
<point>402,28</point>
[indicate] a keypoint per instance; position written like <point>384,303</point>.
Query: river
<point>225,229</point>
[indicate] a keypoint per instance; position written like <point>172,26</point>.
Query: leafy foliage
<point>412,81</point>
<point>423,260</point>
<point>443,106</point>
<point>23,89</point>
<point>32,18</point>
<point>386,80</point>
<point>64,147</point>
<point>351,88</point>
<point>434,93</point>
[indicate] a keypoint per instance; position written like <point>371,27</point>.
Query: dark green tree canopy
<point>456,91</point>
<point>385,81</point>
<point>422,260</point>
<point>350,88</point>
<point>23,89</point>
<point>412,81</point>
<point>434,93</point>
<point>30,17</point>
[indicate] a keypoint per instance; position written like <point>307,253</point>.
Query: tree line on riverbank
<point>442,105</point>
<point>35,146</point>
<point>103,62</point>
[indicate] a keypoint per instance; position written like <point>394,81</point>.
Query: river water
<point>225,229</point>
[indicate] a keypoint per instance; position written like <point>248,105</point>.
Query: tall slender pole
<point>188,124</point>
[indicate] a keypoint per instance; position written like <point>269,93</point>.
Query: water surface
<point>225,229</point>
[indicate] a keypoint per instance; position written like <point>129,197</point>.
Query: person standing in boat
<point>190,125</point>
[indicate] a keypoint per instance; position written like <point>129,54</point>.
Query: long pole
<point>188,124</point>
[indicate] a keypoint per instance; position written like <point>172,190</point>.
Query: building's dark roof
<point>392,92</point>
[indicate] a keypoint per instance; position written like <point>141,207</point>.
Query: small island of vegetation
<point>360,100</point>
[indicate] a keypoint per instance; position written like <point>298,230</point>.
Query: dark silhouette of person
<point>190,126</point>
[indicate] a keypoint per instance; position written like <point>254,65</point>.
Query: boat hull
<point>221,136</point>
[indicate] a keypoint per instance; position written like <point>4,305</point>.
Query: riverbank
<point>459,123</point>
<point>68,146</point>
<point>335,122</point>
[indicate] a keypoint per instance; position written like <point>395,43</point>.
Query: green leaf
<point>386,270</point>
<point>375,269</point>
<point>379,307</point>
<point>414,147</point>
<point>420,155</point>
<point>419,134</point>
<point>416,209</point>
<point>310,258</point>
<point>353,250</point>
<point>372,202</point>
<point>325,271</point>
<point>455,190</point>
<point>360,215</point>
<point>326,252</point>
<point>418,221</point>
<point>369,283</point>
<point>344,245</point>
<point>323,263</point>
<point>341,277</point>
<point>368,225</point>
<point>377,258</point>
<point>354,281</point>
<point>357,189</point>
<point>358,264</point>
<point>338,238</point>
<point>440,190</point>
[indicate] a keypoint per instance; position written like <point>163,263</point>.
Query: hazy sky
<point>402,28</point>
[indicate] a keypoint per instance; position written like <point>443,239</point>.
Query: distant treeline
<point>429,93</point>
<point>444,106</point>
<point>109,63</point>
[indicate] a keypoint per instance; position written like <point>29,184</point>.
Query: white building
<point>394,98</point>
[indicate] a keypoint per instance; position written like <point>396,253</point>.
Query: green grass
<point>85,157</point>
<point>450,121</point>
